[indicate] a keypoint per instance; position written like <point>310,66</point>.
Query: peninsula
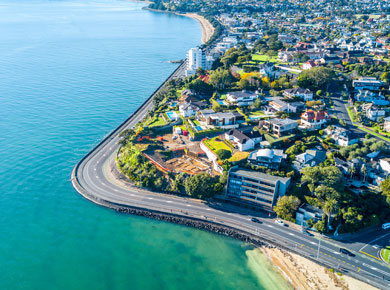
<point>257,124</point>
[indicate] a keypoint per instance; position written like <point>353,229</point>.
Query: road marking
<point>374,268</point>
<point>373,241</point>
<point>103,184</point>
<point>291,234</point>
<point>208,208</point>
<point>337,253</point>
<point>97,177</point>
<point>116,190</point>
<point>150,197</point>
<point>169,201</point>
<point>369,255</point>
<point>358,269</point>
<point>94,169</point>
<point>313,243</point>
<point>270,226</point>
<point>188,205</point>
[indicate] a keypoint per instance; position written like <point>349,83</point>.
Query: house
<point>306,212</point>
<point>309,65</point>
<point>254,188</point>
<point>367,83</point>
<point>269,70</point>
<point>341,136</point>
<point>330,59</point>
<point>384,164</point>
<point>270,158</point>
<point>243,140</point>
<point>309,158</point>
<point>371,97</point>
<point>190,109</point>
<point>386,125</point>
<point>279,127</point>
<point>304,94</point>
<point>242,98</point>
<point>314,120</point>
<point>225,120</point>
<point>374,113</point>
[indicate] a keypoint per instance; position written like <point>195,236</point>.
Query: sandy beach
<point>207,28</point>
<point>307,275</point>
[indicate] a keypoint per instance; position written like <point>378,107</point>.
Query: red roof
<point>314,115</point>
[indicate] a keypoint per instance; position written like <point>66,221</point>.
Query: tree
<point>287,207</point>
<point>244,84</point>
<point>329,206</point>
<point>221,78</point>
<point>202,186</point>
<point>200,71</point>
<point>200,87</point>
<point>224,154</point>
<point>316,78</point>
<point>385,187</point>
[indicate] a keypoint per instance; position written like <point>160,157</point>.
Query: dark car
<point>256,220</point>
<point>346,252</point>
<point>305,232</point>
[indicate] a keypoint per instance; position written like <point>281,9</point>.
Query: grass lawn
<point>374,133</point>
<point>256,113</point>
<point>223,97</point>
<point>263,58</point>
<point>272,139</point>
<point>351,114</point>
<point>157,122</point>
<point>238,156</point>
<point>215,145</point>
<point>385,253</point>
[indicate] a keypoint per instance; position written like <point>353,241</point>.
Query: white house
<point>374,113</point>
<point>243,140</point>
<point>386,125</point>
<point>188,110</point>
<point>385,165</point>
<point>242,98</point>
<point>304,94</point>
<point>341,136</point>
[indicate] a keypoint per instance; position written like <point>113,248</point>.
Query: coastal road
<point>92,177</point>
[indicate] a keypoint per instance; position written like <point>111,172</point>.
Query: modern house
<point>367,83</point>
<point>309,65</point>
<point>270,158</point>
<point>314,120</point>
<point>243,140</point>
<point>304,94</point>
<point>190,109</point>
<point>386,125</point>
<point>241,98</point>
<point>373,113</point>
<point>309,158</point>
<point>226,120</point>
<point>306,212</point>
<point>341,136</point>
<point>255,188</point>
<point>371,97</point>
<point>279,127</point>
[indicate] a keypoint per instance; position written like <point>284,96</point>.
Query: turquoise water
<point>71,71</point>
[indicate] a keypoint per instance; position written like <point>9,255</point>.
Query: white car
<point>279,222</point>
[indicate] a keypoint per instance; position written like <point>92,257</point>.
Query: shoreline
<point>207,28</point>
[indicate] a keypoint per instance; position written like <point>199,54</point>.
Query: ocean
<point>70,72</point>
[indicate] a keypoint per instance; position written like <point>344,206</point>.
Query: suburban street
<point>91,180</point>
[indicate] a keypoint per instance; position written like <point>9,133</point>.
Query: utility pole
<point>319,247</point>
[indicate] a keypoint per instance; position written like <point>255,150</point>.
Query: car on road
<point>305,232</point>
<point>256,220</point>
<point>346,252</point>
<point>280,222</point>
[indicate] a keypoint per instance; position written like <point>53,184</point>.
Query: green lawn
<point>385,253</point>
<point>263,58</point>
<point>272,139</point>
<point>351,114</point>
<point>256,113</point>
<point>157,122</point>
<point>215,145</point>
<point>374,133</point>
<point>238,156</point>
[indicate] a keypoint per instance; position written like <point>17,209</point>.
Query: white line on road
<point>103,184</point>
<point>291,234</point>
<point>313,243</point>
<point>97,177</point>
<point>270,226</point>
<point>150,197</point>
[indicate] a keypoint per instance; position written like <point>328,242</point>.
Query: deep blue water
<point>70,72</point>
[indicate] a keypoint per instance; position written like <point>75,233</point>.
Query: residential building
<point>386,125</point>
<point>227,120</point>
<point>306,212</point>
<point>255,188</point>
<point>314,120</point>
<point>309,65</point>
<point>279,127</point>
<point>309,158</point>
<point>270,158</point>
<point>374,113</point>
<point>196,58</point>
<point>367,83</point>
<point>243,140</point>
<point>242,98</point>
<point>341,136</point>
<point>371,97</point>
<point>384,163</point>
<point>304,94</point>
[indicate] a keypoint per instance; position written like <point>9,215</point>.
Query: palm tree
<point>329,206</point>
<point>352,171</point>
<point>364,172</point>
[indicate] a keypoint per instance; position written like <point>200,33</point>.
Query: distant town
<point>286,109</point>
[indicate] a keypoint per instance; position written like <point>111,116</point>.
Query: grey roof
<point>295,91</point>
<point>242,94</point>
<point>260,175</point>
<point>311,209</point>
<point>282,122</point>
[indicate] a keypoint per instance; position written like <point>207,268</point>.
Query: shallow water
<point>71,71</point>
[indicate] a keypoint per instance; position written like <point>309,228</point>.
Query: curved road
<point>91,177</point>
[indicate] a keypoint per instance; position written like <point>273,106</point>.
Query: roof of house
<point>316,115</point>
<point>282,122</point>
<point>260,175</point>
<point>242,94</point>
<point>296,91</point>
<point>312,209</point>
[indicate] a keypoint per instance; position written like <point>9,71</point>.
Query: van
<point>386,226</point>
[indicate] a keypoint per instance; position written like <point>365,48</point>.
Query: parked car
<point>346,252</point>
<point>305,232</point>
<point>280,222</point>
<point>256,220</point>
